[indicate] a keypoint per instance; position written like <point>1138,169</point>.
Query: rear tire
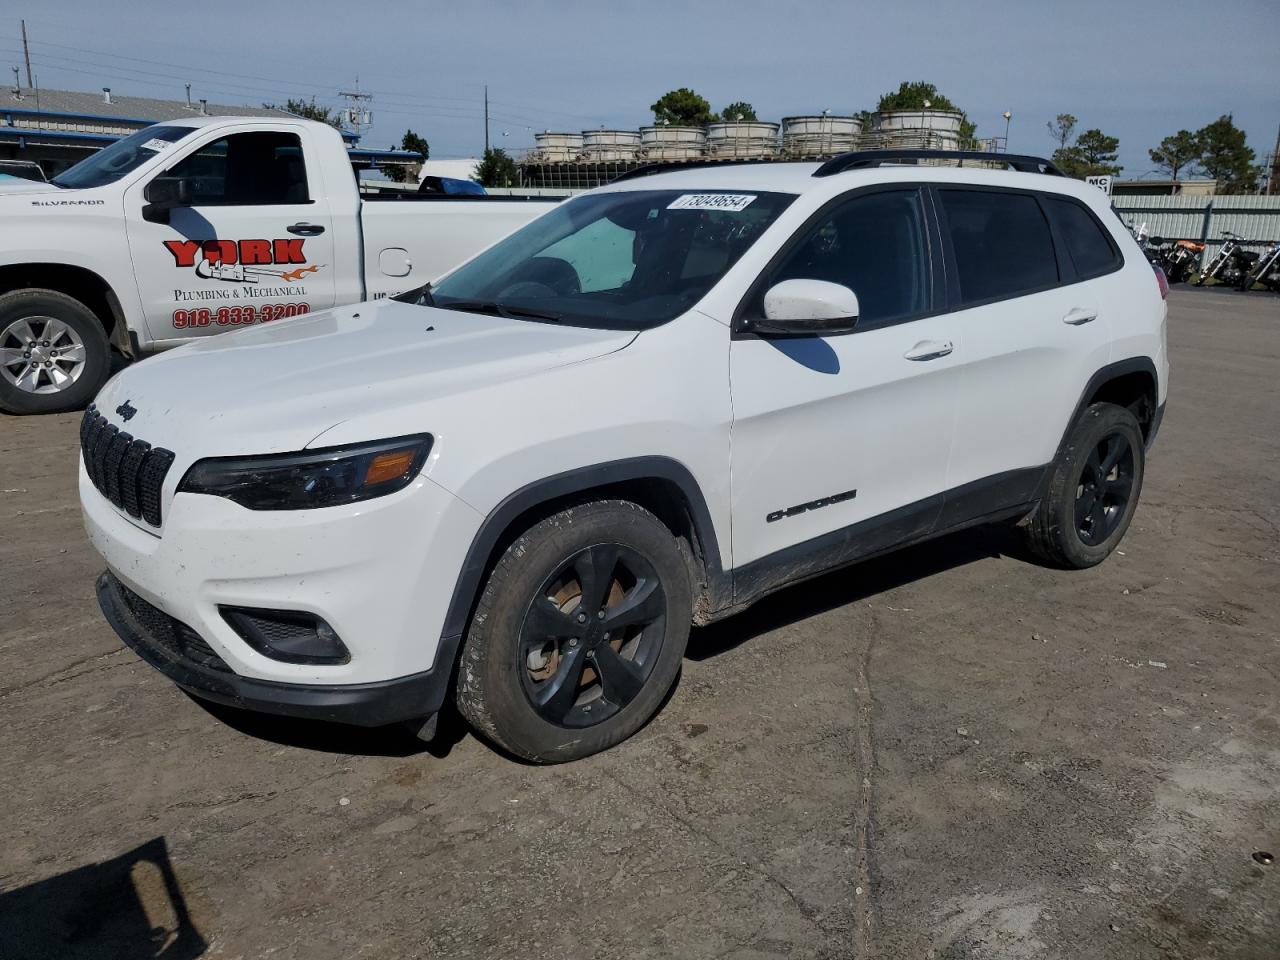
<point>54,353</point>
<point>579,633</point>
<point>1092,492</point>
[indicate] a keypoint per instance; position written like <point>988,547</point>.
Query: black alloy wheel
<point>1090,495</point>
<point>578,635</point>
<point>1104,489</point>
<point>591,636</point>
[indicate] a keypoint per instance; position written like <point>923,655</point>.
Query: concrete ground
<point>948,753</point>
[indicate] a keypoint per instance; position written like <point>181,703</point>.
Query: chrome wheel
<point>41,355</point>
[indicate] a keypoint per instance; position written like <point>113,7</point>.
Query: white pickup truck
<point>194,227</point>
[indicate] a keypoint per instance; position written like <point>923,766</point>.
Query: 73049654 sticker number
<point>237,316</point>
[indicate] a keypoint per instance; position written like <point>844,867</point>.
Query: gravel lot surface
<point>948,753</point>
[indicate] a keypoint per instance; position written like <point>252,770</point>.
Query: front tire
<point>579,633</point>
<point>1092,492</point>
<point>54,354</point>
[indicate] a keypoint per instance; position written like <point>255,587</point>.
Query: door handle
<point>1080,316</point>
<point>929,350</point>
<point>306,229</point>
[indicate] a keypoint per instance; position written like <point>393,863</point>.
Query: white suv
<point>648,408</point>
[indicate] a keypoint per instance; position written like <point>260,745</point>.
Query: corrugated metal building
<point>1195,187</point>
<point>1204,218</point>
<point>58,128</point>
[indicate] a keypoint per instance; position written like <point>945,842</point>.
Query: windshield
<point>109,165</point>
<point>627,260</point>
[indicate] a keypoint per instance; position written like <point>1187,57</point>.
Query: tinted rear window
<point>1087,244</point>
<point>1002,243</point>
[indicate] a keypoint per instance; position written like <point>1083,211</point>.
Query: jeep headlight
<point>311,478</point>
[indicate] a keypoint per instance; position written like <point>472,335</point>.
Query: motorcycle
<point>1177,258</point>
<point>1232,262</point>
<point>1266,271</point>
<point>1181,260</point>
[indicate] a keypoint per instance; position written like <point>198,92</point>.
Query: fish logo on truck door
<point>242,261</point>
<point>264,270</point>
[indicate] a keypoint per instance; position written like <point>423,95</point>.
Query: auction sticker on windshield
<point>156,145</point>
<point>712,201</point>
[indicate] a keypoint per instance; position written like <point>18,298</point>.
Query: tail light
<point>1161,281</point>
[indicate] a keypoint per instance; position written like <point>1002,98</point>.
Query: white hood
<point>10,184</point>
<point>279,386</point>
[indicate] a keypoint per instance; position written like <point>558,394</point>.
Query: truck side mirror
<point>164,194</point>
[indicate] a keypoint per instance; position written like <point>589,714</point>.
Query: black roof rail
<point>649,169</point>
<point>860,159</point>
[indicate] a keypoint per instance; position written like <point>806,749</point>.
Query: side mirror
<point>162,195</point>
<point>807,308</point>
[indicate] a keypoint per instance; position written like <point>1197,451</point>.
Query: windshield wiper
<point>494,308</point>
<point>418,296</point>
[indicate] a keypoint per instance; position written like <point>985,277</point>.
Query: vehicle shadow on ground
<point>128,908</point>
<point>858,582</point>
<point>831,590</point>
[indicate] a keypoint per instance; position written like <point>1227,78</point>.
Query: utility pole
<point>486,118</point>
<point>26,52</point>
<point>357,112</point>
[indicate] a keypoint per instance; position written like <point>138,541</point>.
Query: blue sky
<point>1137,70</point>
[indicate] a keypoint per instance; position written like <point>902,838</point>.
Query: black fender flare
<point>1111,371</point>
<point>469,582</point>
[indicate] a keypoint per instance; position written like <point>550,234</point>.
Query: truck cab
<point>194,227</point>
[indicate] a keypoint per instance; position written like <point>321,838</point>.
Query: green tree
<point>1226,157</point>
<point>682,108</point>
<point>1092,155</point>
<point>739,110</point>
<point>411,141</point>
<point>409,172</point>
<point>925,96</point>
<point>1176,153</point>
<point>496,169</point>
<point>1061,129</point>
<point>310,110</point>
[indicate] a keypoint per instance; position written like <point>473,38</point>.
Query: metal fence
<point>1257,219</point>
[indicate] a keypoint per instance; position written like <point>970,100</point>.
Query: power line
<point>422,108</point>
<point>188,69</point>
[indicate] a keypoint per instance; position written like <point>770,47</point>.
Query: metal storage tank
<point>556,147</point>
<point>742,138</point>
<point>916,130</point>
<point>663,142</point>
<point>610,144</point>
<point>821,135</point>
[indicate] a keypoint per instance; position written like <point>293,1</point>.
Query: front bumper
<point>193,666</point>
<point>381,573</point>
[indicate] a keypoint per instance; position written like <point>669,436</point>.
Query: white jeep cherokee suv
<point>647,408</point>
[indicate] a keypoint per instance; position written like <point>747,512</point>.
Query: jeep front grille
<point>127,471</point>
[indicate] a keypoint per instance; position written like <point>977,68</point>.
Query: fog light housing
<point>291,636</point>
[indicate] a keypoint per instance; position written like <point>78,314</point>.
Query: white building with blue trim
<point>58,128</point>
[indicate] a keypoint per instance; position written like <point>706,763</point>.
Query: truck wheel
<point>54,354</point>
<point>579,633</point>
<point>1093,490</point>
